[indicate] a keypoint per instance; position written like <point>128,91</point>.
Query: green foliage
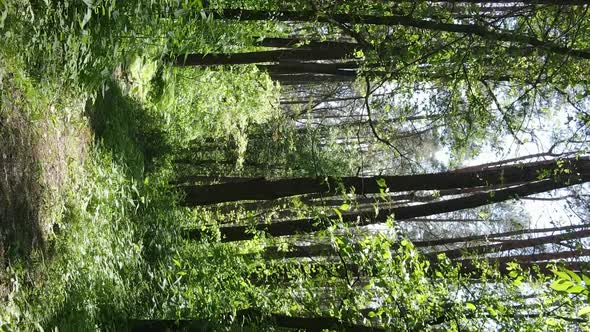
<point>117,243</point>
<point>219,104</point>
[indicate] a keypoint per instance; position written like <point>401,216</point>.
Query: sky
<point>543,213</point>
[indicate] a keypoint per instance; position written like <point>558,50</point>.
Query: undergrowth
<point>114,227</point>
<point>92,129</point>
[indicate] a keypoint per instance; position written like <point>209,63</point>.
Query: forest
<point>299,165</point>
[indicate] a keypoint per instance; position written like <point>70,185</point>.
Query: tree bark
<point>466,267</point>
<point>439,242</point>
<point>309,78</point>
<point>325,249</point>
<point>252,317</point>
<point>515,244</point>
<point>348,69</point>
<point>467,29</point>
<point>262,189</point>
<point>307,44</point>
<point>362,218</point>
<point>217,59</point>
<point>532,258</point>
<point>316,100</point>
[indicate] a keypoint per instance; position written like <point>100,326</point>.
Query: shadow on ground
<point>122,126</point>
<point>21,230</point>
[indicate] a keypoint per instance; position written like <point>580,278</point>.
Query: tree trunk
<point>262,189</point>
<point>515,244</point>
<point>309,78</point>
<point>361,218</point>
<point>216,59</point>
<point>439,242</point>
<point>252,317</point>
<point>325,249</point>
<point>531,258</point>
<point>348,69</point>
<point>307,44</point>
<point>467,29</point>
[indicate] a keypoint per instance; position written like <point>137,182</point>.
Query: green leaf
<point>471,306</point>
<point>576,289</point>
<point>586,280</point>
<point>561,285</point>
<point>338,213</point>
<point>574,276</point>
<point>492,311</point>
<point>344,207</point>
<point>584,311</point>
<point>381,183</point>
<point>386,254</point>
<point>86,17</point>
<point>176,262</point>
<point>3,17</point>
<point>563,275</point>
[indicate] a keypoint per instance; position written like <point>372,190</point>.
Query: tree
<point>361,218</point>
<point>273,189</point>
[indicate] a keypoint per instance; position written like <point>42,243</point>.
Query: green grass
<point>83,210</point>
<point>94,238</point>
<point>112,222</point>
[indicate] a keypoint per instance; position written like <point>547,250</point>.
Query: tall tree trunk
<point>515,244</point>
<point>361,218</point>
<point>348,69</point>
<point>309,78</point>
<point>262,189</point>
<point>216,59</point>
<point>252,317</point>
<point>307,44</point>
<point>530,258</point>
<point>325,249</point>
<point>209,179</point>
<point>465,267</point>
<point>467,29</point>
<point>438,242</point>
<point>315,100</point>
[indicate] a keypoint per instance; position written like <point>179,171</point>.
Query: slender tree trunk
<point>309,78</point>
<point>209,179</point>
<point>506,245</point>
<point>467,29</point>
<point>216,59</point>
<point>325,249</point>
<point>491,237</point>
<point>273,189</point>
<point>313,100</point>
<point>307,44</point>
<point>251,317</point>
<point>361,218</point>
<point>528,2</point>
<point>335,268</point>
<point>532,258</point>
<point>348,69</point>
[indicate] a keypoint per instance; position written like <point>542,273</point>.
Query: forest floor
<point>42,147</point>
<point>90,228</point>
<point>69,170</point>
